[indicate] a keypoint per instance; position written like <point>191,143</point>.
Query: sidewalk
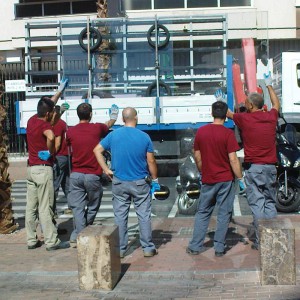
<point>172,274</point>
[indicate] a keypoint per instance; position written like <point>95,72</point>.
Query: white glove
<point>268,79</point>
<point>220,96</point>
<point>114,112</point>
<point>63,84</point>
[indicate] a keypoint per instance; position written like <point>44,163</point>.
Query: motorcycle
<point>188,183</point>
<point>288,170</point>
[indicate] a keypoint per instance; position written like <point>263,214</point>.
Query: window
<point>137,4</point>
<point>202,3</point>
<point>298,74</point>
<point>30,10</point>
<point>230,3</point>
<point>167,4</point>
<point>51,9</point>
<point>82,7</point>
<point>33,8</point>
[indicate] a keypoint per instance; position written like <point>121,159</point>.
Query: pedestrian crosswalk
<point>18,195</point>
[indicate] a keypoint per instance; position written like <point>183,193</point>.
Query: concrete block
<point>277,252</point>
<point>99,265</point>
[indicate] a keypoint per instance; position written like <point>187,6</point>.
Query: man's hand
<point>154,186</point>
<point>220,96</point>
<point>114,112</point>
<point>109,173</point>
<point>242,185</point>
<point>63,84</point>
<point>65,106</point>
<point>44,155</point>
<point>268,79</point>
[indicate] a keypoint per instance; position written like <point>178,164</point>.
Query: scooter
<point>188,183</point>
<point>288,171</point>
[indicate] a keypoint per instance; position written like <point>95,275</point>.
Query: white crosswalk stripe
<point>18,195</point>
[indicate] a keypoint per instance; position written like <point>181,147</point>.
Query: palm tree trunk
<point>103,60</point>
<point>7,222</point>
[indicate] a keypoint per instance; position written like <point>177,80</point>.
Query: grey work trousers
<point>139,192</point>
<point>84,199</point>
<point>261,192</point>
<point>222,194</point>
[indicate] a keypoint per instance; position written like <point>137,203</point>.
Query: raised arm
<point>113,115</point>
<point>63,84</point>
<point>229,114</point>
<point>273,97</point>
<point>50,140</point>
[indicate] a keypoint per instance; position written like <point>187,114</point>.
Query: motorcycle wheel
<point>291,202</point>
<point>187,205</point>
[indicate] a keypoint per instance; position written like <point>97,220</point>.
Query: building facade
<point>272,24</point>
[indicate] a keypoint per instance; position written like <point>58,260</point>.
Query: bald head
<point>129,115</point>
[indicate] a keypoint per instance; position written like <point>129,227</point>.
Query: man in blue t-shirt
<point>132,161</point>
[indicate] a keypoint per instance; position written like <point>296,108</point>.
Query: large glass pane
<point>202,3</point>
<point>227,3</point>
<point>168,4</point>
<point>137,4</point>
<point>189,58</point>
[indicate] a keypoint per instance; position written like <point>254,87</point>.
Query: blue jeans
<point>222,194</point>
<point>84,199</point>
<point>138,191</point>
<point>261,192</point>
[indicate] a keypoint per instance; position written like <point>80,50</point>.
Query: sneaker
<point>61,245</point>
<point>68,211</point>
<point>219,254</point>
<point>122,254</point>
<point>192,252</point>
<point>73,243</point>
<point>254,246</point>
<point>36,245</point>
<point>151,253</point>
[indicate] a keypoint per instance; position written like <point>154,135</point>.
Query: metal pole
<point>89,59</point>
<point>156,57</point>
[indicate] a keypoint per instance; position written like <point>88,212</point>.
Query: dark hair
<point>45,105</point>
<point>256,99</point>
<point>84,111</point>
<point>219,109</point>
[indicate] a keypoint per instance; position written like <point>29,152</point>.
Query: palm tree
<point>103,60</point>
<point>7,222</point>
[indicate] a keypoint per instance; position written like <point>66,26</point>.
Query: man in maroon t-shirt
<point>215,149</point>
<point>61,165</point>
<point>40,175</point>
<point>85,189</point>
<point>258,130</point>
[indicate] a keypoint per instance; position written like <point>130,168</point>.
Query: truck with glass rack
<point>168,68</point>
